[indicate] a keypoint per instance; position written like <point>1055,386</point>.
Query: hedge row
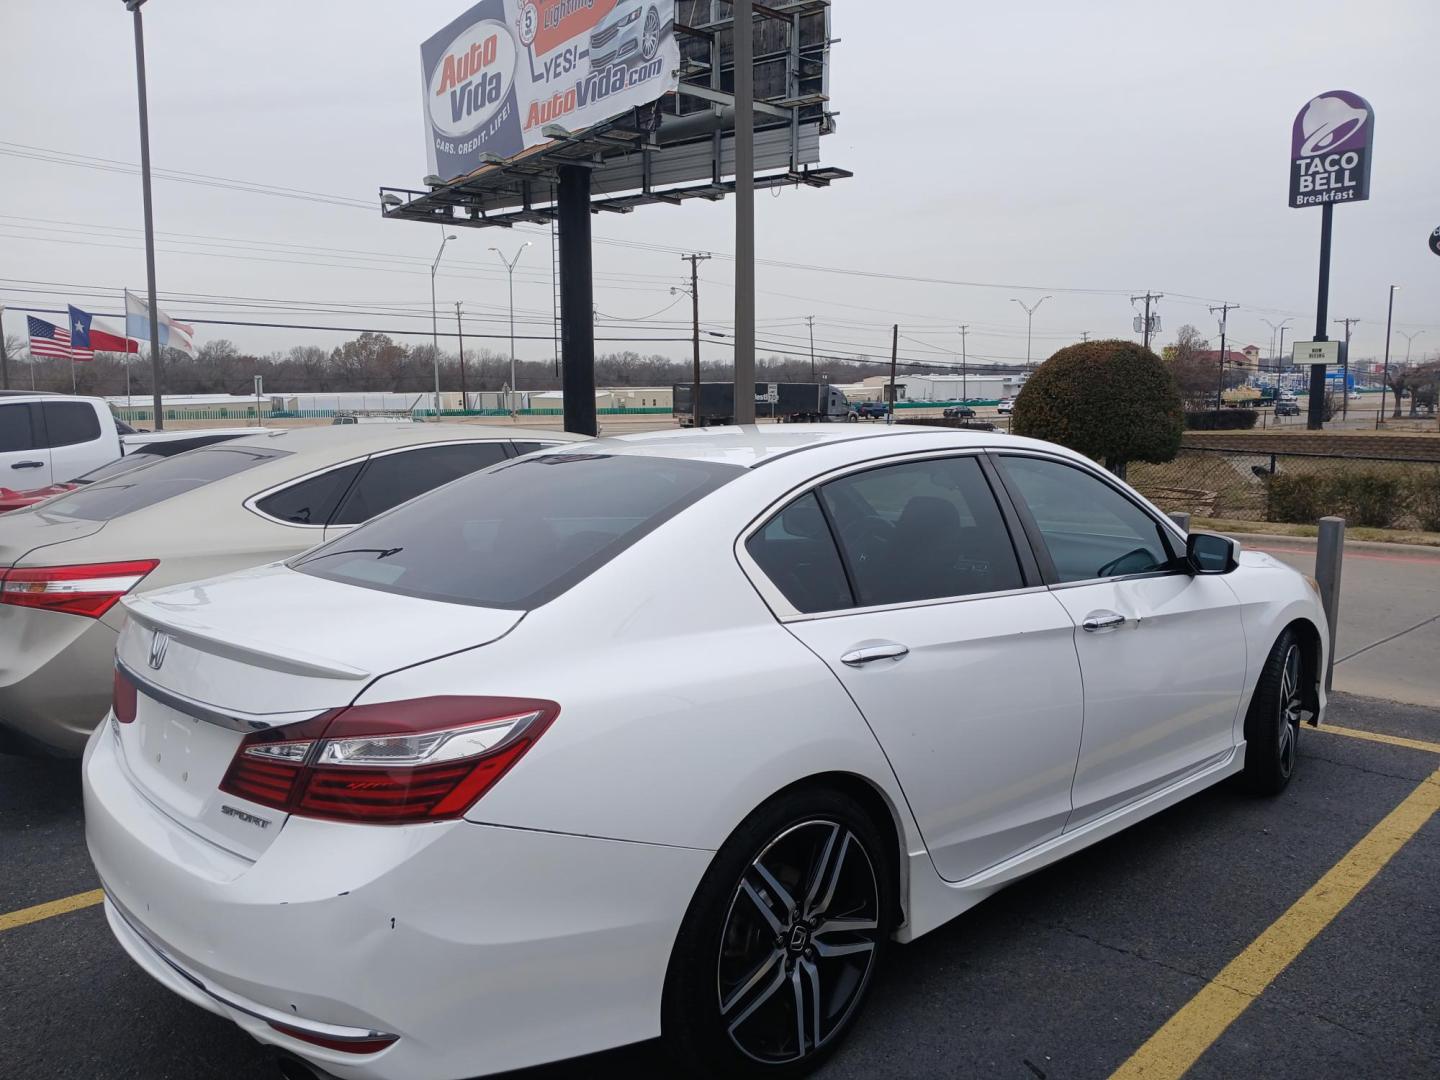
<point>1221,420</point>
<point>1375,496</point>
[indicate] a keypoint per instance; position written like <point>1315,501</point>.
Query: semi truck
<point>792,403</point>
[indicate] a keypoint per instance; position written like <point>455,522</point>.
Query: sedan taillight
<point>426,759</point>
<point>90,590</point>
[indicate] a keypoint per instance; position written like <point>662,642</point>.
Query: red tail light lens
<point>122,700</point>
<point>347,1046</point>
<point>421,760</point>
<point>90,590</point>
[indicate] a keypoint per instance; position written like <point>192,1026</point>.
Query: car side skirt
<point>934,901</point>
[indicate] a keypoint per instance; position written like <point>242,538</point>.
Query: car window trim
<point>507,453</point>
<point>252,502</point>
<point>786,612</point>
<point>1167,529</point>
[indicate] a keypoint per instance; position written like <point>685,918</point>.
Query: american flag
<point>47,339</point>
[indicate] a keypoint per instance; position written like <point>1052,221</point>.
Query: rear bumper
<point>483,948</point>
<point>54,677</point>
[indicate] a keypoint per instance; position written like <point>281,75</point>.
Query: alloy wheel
<point>799,943</point>
<point>650,42</point>
<point>1291,708</point>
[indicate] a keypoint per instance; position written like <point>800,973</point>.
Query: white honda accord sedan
<point>666,735</point>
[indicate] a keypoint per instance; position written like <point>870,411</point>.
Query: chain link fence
<point>1380,492</point>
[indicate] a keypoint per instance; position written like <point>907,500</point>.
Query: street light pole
<point>964,365</point>
<point>510,269</point>
<point>1385,372</point>
<point>134,7</point>
<point>1273,328</point>
<point>434,322</point>
<point>1029,316</point>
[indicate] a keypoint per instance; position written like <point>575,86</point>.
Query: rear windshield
<point>166,478</point>
<point>519,534</point>
<point>118,467</point>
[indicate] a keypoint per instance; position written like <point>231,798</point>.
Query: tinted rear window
<point>69,423</point>
<point>118,467</point>
<point>163,480</point>
<point>519,534</point>
<point>17,426</point>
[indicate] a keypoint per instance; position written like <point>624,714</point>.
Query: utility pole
<point>1224,310</point>
<point>964,365</point>
<point>1345,369</point>
<point>460,337</point>
<point>1029,317</point>
<point>743,14</point>
<point>1148,327</point>
<point>894,354</point>
<point>695,260</point>
<point>811,320</point>
<point>1084,335</point>
<point>134,6</point>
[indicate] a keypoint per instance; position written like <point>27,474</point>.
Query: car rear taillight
<point>426,759</point>
<point>90,590</point>
<point>122,700</point>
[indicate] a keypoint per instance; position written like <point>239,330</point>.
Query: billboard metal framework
<point>679,147</point>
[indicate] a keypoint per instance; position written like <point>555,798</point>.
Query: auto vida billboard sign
<point>1330,145</point>
<point>503,70</point>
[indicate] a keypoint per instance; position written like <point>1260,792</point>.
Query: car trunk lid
<point>259,649</point>
<point>29,532</point>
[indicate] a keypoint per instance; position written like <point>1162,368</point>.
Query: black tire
<point>754,938</point>
<point>1272,726</point>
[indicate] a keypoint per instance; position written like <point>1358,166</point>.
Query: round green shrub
<point>1113,401</point>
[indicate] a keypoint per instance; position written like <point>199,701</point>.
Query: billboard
<point>1330,144</point>
<point>495,76</point>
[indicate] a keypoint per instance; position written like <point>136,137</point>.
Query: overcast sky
<point>1084,151</point>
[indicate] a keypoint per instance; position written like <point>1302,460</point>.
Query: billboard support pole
<point>744,33</point>
<point>577,297</point>
<point>1315,420</point>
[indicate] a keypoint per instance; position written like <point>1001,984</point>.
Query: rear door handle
<point>1099,621</point>
<point>868,655</point>
<point>28,465</point>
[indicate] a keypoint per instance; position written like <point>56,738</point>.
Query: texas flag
<point>88,337</point>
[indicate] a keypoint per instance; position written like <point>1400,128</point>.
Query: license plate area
<point>178,759</point>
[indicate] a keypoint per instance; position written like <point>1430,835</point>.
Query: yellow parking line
<point>1375,736</point>
<point>53,908</point>
<point>1170,1052</point>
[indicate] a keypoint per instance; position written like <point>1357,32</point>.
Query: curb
<point>1254,539</point>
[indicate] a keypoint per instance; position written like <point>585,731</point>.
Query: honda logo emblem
<point>158,644</point>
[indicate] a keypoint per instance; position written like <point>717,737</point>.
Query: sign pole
<point>742,12</point>
<point>1316,418</point>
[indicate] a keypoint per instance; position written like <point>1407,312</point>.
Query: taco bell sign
<point>1330,146</point>
<point>497,75</point>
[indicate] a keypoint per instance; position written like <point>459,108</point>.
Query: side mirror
<point>1210,553</point>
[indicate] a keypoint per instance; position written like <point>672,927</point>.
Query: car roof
<point>752,445</point>
<point>344,440</point>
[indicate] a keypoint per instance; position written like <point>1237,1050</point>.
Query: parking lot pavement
<point>1389,616</point>
<point>1064,975</point>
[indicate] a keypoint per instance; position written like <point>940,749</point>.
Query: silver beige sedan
<point>65,563</point>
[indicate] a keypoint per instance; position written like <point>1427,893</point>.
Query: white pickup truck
<point>45,438</point>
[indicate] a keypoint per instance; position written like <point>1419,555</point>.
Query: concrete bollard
<point>1329,556</point>
<point>1181,518</point>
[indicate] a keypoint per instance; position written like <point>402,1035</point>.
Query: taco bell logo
<point>1330,144</point>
